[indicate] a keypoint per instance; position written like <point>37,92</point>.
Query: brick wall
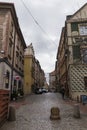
<point>4,101</point>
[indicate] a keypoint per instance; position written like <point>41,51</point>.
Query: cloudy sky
<point>41,22</point>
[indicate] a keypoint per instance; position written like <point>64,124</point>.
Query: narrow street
<point>33,113</point>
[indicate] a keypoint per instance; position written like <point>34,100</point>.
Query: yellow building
<point>29,69</point>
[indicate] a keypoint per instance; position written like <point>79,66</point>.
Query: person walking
<point>63,92</point>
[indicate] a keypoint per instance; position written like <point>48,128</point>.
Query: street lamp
<point>2,53</point>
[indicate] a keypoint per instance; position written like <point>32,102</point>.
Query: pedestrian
<point>63,92</point>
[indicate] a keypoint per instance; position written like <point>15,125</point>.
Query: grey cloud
<point>51,15</point>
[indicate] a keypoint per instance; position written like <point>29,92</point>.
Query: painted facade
<point>33,74</point>
<point>29,69</point>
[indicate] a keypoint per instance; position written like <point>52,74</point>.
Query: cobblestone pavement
<point>33,113</point>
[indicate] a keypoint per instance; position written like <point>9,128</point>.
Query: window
<point>10,50</point>
<point>84,53</point>
<point>11,31</point>
<point>83,30</point>
<point>76,52</point>
<point>18,43</point>
<point>17,54</point>
<point>6,83</point>
<point>20,58</point>
<point>7,79</point>
<point>17,59</point>
<point>74,26</point>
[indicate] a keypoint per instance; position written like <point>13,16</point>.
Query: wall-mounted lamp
<point>2,52</point>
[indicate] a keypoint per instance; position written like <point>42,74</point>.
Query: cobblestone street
<point>33,113</point>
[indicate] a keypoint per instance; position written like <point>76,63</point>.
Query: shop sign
<point>17,77</point>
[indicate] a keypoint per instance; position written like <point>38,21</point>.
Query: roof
<point>79,10</point>
<point>71,16</point>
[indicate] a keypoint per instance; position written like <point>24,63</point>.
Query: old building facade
<point>74,52</point>
<point>29,69</point>
<point>39,75</point>
<point>52,81</point>
<point>42,78</point>
<point>33,74</point>
<point>12,47</point>
<point>61,61</point>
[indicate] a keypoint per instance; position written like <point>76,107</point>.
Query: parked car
<point>38,91</point>
<point>44,90</point>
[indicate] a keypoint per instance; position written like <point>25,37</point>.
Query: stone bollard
<point>12,113</point>
<point>55,113</point>
<point>76,112</point>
